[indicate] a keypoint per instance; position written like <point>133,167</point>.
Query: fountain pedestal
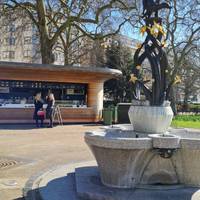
<point>125,161</point>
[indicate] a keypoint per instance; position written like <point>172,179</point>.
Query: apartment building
<point>123,39</point>
<point>19,42</point>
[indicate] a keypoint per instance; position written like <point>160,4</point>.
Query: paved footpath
<point>24,151</point>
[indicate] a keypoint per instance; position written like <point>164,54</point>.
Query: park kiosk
<point>78,90</point>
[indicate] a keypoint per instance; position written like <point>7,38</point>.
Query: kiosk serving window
<point>22,92</point>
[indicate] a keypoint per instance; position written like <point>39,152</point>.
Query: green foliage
<point>119,57</point>
<point>194,106</point>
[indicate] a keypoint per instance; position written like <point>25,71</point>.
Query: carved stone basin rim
<point>117,140</point>
<point>165,141</point>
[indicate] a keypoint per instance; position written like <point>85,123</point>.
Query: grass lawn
<point>185,124</point>
<point>186,121</point>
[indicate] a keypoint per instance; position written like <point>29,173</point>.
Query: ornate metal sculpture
<point>153,50</point>
<point>149,6</point>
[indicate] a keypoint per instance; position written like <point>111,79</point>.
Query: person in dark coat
<point>38,112</point>
<point>49,110</point>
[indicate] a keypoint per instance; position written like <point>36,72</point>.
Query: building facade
<point>19,42</point>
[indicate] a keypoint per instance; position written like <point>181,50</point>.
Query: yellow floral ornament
<point>138,46</point>
<point>157,26</point>
<point>133,78</point>
<point>164,44</point>
<point>153,32</point>
<point>138,67</point>
<point>177,80</point>
<point>155,29</point>
<point>143,30</point>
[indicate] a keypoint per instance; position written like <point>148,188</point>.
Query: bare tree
<point>183,34</point>
<point>190,73</point>
<point>57,19</point>
<point>119,56</point>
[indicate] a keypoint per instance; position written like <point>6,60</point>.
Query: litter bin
<point>107,116</point>
<point>115,114</point>
<point>123,117</point>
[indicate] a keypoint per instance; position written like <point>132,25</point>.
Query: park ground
<point>38,149</point>
<point>186,121</point>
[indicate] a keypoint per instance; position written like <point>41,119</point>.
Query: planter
<point>150,119</point>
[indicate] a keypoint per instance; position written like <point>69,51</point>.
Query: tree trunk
<point>186,98</point>
<point>46,46</point>
<point>46,51</point>
<point>173,101</point>
<point>66,54</point>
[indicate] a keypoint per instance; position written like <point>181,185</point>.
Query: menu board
<point>40,85</point>
<point>15,91</point>
<point>4,90</point>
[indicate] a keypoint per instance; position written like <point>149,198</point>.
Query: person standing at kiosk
<point>49,110</point>
<point>38,112</point>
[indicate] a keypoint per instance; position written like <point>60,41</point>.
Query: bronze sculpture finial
<point>151,6</point>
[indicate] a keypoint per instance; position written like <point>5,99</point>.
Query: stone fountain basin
<point>125,161</point>
<point>117,140</point>
<point>165,141</point>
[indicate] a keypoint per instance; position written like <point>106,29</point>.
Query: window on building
<point>27,53</point>
<point>5,28</point>
<point>28,27</point>
<point>11,54</point>
<point>6,41</point>
<point>35,39</point>
<point>10,41</point>
<point>5,54</point>
<point>27,40</point>
<point>9,27</point>
<point>8,54</point>
<point>12,28</point>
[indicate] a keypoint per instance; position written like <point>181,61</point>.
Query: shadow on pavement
<point>17,126</point>
<point>65,188</point>
<point>93,124</point>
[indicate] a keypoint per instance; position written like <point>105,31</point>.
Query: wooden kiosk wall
<point>93,77</point>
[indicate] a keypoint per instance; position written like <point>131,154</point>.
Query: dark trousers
<point>41,122</point>
<point>51,121</point>
<point>49,115</point>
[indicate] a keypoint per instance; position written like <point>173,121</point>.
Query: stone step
<point>82,181</point>
<point>89,187</point>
